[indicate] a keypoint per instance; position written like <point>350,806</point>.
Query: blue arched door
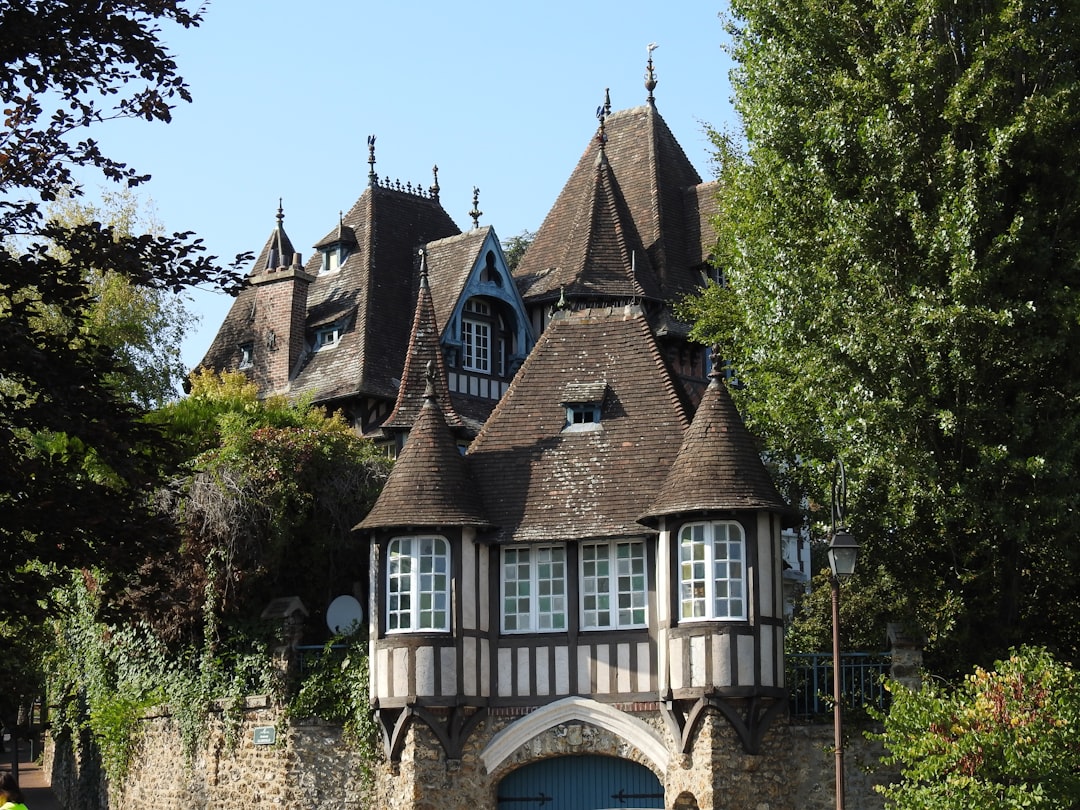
<point>586,782</point>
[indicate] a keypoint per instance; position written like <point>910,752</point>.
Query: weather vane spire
<point>476,213</point>
<point>650,75</point>
<point>371,177</point>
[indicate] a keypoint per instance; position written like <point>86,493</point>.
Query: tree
<point>78,461</point>
<point>266,508</point>
<point>900,233</point>
<point>516,246</point>
<point>1004,738</point>
<point>145,327</point>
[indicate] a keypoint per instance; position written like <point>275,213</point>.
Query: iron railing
<point>810,682</point>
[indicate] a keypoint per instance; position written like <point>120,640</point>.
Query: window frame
<point>535,591</point>
<point>701,587</point>
<point>613,592</point>
<point>416,607</point>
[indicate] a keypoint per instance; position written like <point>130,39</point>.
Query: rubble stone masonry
<point>308,765</point>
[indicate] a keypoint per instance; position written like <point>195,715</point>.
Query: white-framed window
<point>614,590</point>
<point>417,584</point>
<point>712,570</point>
<point>327,337</point>
<point>476,336</point>
<point>533,589</point>
<point>247,355</point>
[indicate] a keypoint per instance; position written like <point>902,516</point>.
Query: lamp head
<point>842,553</point>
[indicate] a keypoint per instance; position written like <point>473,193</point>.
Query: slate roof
<point>373,290</point>
<point>430,485</point>
<point>650,187</point>
<point>718,467</point>
<point>541,483</point>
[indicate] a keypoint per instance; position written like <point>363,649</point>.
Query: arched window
<point>712,570</point>
<point>417,585</point>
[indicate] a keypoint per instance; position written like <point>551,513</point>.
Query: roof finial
<point>434,190</point>
<point>601,136</point>
<point>280,212</point>
<point>650,76</point>
<point>562,298</point>
<point>476,213</point>
<point>423,268</point>
<point>607,101</point>
<point>371,176</point>
<point>340,225</point>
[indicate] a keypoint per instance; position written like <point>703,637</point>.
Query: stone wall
<point>310,766</point>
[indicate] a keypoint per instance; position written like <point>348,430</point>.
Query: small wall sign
<point>264,735</point>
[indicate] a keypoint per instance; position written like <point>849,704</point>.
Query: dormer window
<point>327,337</point>
<point>583,403</point>
<point>333,256</point>
<point>247,355</point>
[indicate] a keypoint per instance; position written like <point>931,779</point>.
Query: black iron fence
<point>810,682</point>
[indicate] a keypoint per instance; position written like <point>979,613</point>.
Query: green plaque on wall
<point>264,735</point>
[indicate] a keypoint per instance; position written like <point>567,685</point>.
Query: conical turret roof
<point>718,467</point>
<point>430,484</point>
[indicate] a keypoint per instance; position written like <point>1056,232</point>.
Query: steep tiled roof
<point>541,482</point>
<point>653,177</point>
<point>423,350</point>
<point>430,483</point>
<point>449,262</point>
<point>718,467</point>
<point>378,282</point>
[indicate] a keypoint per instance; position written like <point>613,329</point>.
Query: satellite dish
<point>344,616</point>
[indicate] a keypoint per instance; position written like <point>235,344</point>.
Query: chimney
<point>280,321</point>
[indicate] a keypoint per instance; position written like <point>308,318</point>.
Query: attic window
<point>247,354</point>
<point>333,256</point>
<point>583,403</point>
<point>327,337</point>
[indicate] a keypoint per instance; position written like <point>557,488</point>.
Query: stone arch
<point>577,709</point>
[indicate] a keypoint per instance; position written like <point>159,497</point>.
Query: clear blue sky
<point>501,95</point>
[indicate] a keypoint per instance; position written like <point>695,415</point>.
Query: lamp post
<point>842,553</point>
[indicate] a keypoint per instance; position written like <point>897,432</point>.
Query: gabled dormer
<point>486,334</point>
<point>336,248</point>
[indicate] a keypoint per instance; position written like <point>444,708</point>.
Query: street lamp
<point>842,553</point>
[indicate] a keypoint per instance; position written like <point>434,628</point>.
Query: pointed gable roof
<point>718,467</point>
<point>374,288</point>
<point>237,328</point>
<point>423,352</point>
<point>653,177</point>
<point>430,483</point>
<point>450,261</point>
<point>544,483</point>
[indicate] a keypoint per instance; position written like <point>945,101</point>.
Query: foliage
<point>143,326</point>
<point>90,63</point>
<point>516,246</point>
<point>267,510</point>
<point>900,234</point>
<point>1004,738</point>
<point>78,462</point>
<point>336,690</point>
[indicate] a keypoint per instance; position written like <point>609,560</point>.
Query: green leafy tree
<point>1004,738</point>
<point>78,461</point>
<point>266,508</point>
<point>145,327</point>
<point>900,234</point>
